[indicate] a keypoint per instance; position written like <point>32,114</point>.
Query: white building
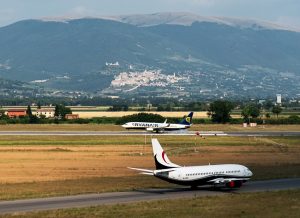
<point>47,113</point>
<point>278,99</point>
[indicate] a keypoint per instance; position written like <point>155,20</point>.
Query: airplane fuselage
<point>177,127</point>
<point>144,125</point>
<point>221,175</point>
<point>185,123</point>
<point>154,126</point>
<point>207,174</point>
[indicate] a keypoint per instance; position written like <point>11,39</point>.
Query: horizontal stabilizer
<point>164,170</point>
<point>141,170</point>
<point>149,174</point>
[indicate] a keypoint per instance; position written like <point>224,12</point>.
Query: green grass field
<point>264,204</point>
<point>181,141</point>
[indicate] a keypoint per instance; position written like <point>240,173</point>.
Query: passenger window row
<point>211,173</point>
<point>235,171</point>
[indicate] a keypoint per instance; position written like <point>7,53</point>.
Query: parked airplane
<point>222,175</point>
<point>160,127</point>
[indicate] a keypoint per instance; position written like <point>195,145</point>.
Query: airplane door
<point>179,175</point>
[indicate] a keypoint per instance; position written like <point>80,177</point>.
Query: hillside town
<point>154,78</point>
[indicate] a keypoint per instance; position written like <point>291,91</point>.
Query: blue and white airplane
<point>160,127</point>
<point>222,175</point>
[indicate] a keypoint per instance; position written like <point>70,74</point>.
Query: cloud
<point>205,3</point>
<point>202,2</point>
<point>290,21</point>
<point>7,16</point>
<point>80,11</point>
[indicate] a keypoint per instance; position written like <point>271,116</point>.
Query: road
<point>137,133</point>
<point>139,195</point>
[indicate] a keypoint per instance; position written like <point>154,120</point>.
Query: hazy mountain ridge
<point>180,18</point>
<point>75,54</point>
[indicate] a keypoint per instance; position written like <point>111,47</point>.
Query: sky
<point>284,12</point>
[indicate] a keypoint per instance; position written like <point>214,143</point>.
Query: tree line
<point>220,111</point>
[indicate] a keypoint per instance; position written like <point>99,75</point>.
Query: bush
<point>141,117</point>
<point>294,119</point>
<point>3,122</point>
<point>237,121</point>
<point>202,121</point>
<point>79,121</point>
<point>219,111</point>
<point>281,121</point>
<point>104,120</point>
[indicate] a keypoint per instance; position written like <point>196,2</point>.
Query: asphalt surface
<point>139,195</point>
<point>137,133</point>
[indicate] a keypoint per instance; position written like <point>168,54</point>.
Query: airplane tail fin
<point>161,159</point>
<point>188,119</point>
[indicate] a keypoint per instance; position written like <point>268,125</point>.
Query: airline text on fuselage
<point>153,125</point>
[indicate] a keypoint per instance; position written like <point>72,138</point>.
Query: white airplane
<point>160,127</point>
<point>222,175</point>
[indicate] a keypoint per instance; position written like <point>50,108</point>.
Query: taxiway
<point>139,195</point>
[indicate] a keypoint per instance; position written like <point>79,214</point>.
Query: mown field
<point>268,204</point>
<point>111,127</point>
<point>39,166</point>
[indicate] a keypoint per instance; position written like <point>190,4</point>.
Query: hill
<point>211,57</point>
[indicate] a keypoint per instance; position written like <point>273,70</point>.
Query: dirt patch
<point>34,163</point>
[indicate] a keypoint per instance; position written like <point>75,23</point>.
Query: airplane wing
<point>158,129</point>
<point>143,171</point>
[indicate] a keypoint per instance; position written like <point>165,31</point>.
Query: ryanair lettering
<point>147,125</point>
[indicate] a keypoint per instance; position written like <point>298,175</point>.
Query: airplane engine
<point>150,129</point>
<point>234,184</point>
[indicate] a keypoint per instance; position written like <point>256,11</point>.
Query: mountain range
<point>213,56</point>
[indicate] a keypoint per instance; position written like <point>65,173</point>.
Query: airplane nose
<point>250,173</point>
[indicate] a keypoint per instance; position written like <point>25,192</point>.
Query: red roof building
<point>72,116</point>
<point>13,113</point>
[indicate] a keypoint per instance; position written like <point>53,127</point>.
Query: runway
<point>139,133</point>
<point>139,195</point>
